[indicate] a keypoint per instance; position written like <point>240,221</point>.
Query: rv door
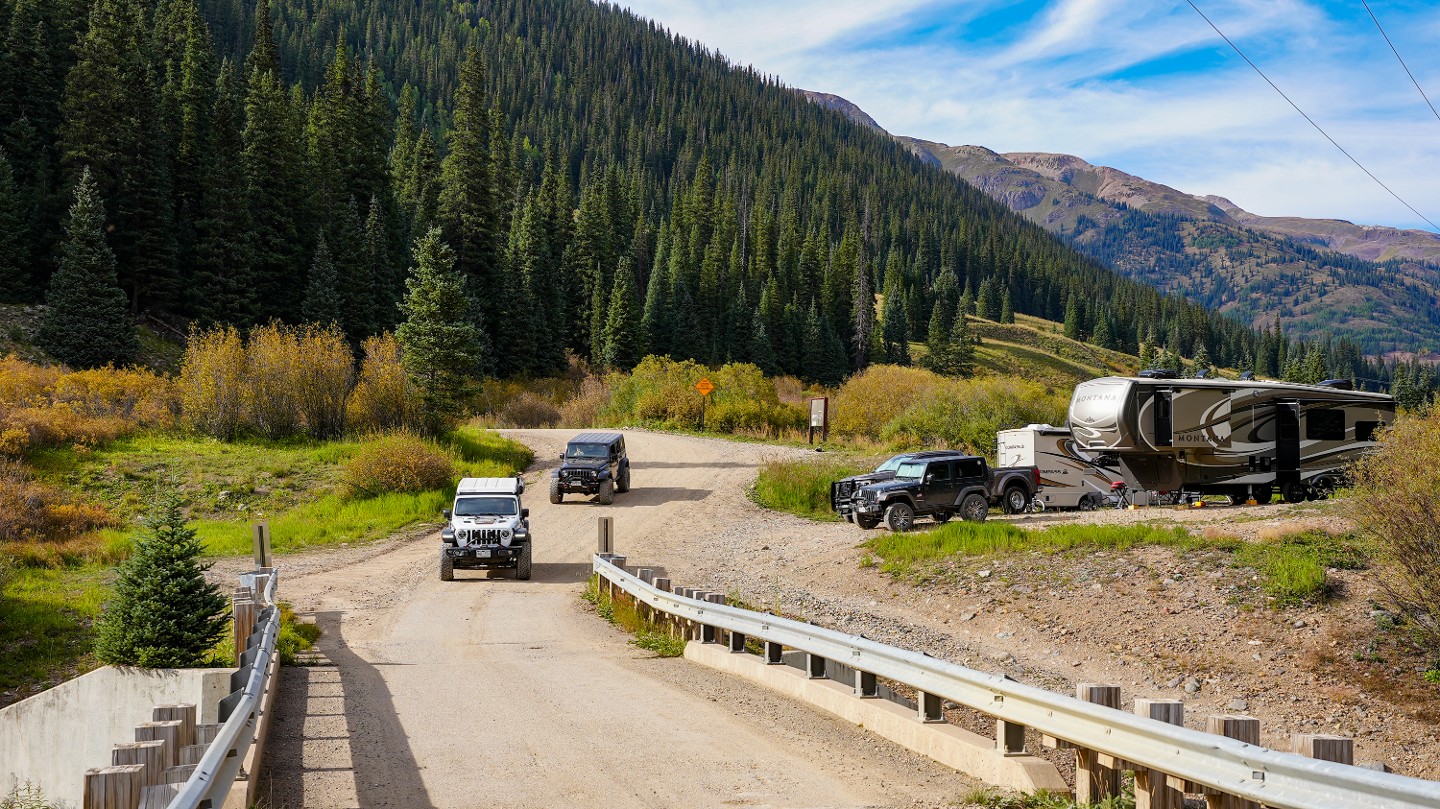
<point>1164,420</point>
<point>1287,441</point>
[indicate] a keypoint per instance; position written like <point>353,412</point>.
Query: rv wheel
<point>1295,492</point>
<point>1087,503</point>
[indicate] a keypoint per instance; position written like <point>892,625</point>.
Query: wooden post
<point>167,732</point>
<point>244,611</point>
<point>1241,728</point>
<point>1094,782</point>
<point>262,544</point>
<point>1339,749</point>
<point>192,753</point>
<point>180,774</point>
<point>150,755</point>
<point>205,734</point>
<point>1152,787</point>
<point>184,714</point>
<point>606,538</point>
<point>114,787</point>
<point>159,796</point>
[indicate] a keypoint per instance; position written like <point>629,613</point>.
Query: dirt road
<point>498,693</point>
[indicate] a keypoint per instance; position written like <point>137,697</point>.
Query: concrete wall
<point>51,738</point>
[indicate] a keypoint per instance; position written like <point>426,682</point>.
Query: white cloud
<point>1078,77</point>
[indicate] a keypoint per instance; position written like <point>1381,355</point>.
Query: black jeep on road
<point>845,493</point>
<point>593,463</point>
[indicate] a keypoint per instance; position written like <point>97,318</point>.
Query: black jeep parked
<point>845,493</point>
<point>938,488</point>
<point>593,463</point>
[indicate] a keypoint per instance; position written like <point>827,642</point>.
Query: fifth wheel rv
<point>1246,438</point>
<point>1069,477</point>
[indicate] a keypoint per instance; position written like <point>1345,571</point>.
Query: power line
<point>1318,128</point>
<point>1402,61</point>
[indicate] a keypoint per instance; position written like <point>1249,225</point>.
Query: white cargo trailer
<point>1069,477</point>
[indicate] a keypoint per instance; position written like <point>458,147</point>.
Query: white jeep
<point>486,529</point>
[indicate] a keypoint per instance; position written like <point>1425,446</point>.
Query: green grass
<point>649,635</point>
<point>969,539</point>
<point>46,618</point>
<point>802,487</point>
<point>1293,568</point>
<point>295,636</point>
<point>992,798</point>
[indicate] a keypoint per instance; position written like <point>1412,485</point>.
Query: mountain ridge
<point>1315,276</point>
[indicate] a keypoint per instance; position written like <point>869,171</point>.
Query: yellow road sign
<point>705,386</point>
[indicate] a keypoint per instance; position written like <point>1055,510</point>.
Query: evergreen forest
<point>608,190</point>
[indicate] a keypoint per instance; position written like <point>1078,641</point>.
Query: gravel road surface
<point>497,693</point>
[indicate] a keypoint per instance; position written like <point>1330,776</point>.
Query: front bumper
<point>483,555</point>
<point>579,485</point>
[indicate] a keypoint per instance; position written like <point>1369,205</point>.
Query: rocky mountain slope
<point>1380,285</point>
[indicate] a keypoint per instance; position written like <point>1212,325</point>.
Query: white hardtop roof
<point>490,486</point>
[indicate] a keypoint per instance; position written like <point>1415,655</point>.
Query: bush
<point>966,414</point>
<point>31,511</point>
<point>1396,499</point>
<point>384,398</point>
<point>212,382</point>
<point>398,462</point>
<point>584,407</point>
<point>164,613</point>
<point>325,370</point>
<point>272,382</point>
<point>528,411</point>
<point>46,407</point>
<point>876,396</point>
<point>295,636</point>
<point>802,488</point>
<point>661,391</point>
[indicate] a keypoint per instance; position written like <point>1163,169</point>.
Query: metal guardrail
<point>215,774</point>
<point>1272,778</point>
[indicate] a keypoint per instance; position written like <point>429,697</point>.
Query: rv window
<point>1365,430</point>
<point>1325,425</point>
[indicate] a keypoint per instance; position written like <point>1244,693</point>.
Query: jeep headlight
<point>505,537</point>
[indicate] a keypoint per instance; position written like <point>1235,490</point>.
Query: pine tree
<point>164,614</point>
<point>962,348</point>
<point>277,196</point>
<point>264,57</point>
<point>443,344</point>
<point>1313,370</point>
<point>1202,360</point>
<point>323,302</point>
<point>1007,309</point>
<point>622,325</point>
<point>1072,318</point>
<point>14,249</point>
<point>937,342</point>
<point>895,328</point>
<point>87,325</point>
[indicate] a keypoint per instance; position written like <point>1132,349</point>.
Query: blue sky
<point>1146,87</point>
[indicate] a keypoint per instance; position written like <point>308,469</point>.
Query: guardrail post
<point>814,666</point>
<point>182,713</point>
<point>1152,787</point>
<point>243,610</point>
<point>1241,728</point>
<point>1009,738</point>
<point>167,732</point>
<point>927,708</point>
<point>114,787</point>
<point>708,633</point>
<point>150,755</point>
<point>682,626</point>
<point>866,686</point>
<point>774,653</point>
<point>1094,782</point>
<point>1339,749</point>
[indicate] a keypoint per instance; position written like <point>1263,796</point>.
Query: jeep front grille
<point>867,496</point>
<point>486,535</point>
<point>584,475</point>
<point>844,489</point>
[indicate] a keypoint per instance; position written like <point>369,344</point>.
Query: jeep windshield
<point>892,464</point>
<point>910,469</point>
<point>485,507</point>
<point>587,452</point>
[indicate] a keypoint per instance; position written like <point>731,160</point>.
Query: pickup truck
<point>940,488</point>
<point>844,492</point>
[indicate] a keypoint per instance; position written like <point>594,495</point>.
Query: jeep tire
<point>606,495</point>
<point>866,522</point>
<point>447,566</point>
<point>900,517</point>
<point>974,508</point>
<point>1015,500</point>
<point>622,484</point>
<point>522,565</point>
<point>556,496</point>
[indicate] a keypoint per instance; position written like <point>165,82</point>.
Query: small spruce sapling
<point>164,613</point>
